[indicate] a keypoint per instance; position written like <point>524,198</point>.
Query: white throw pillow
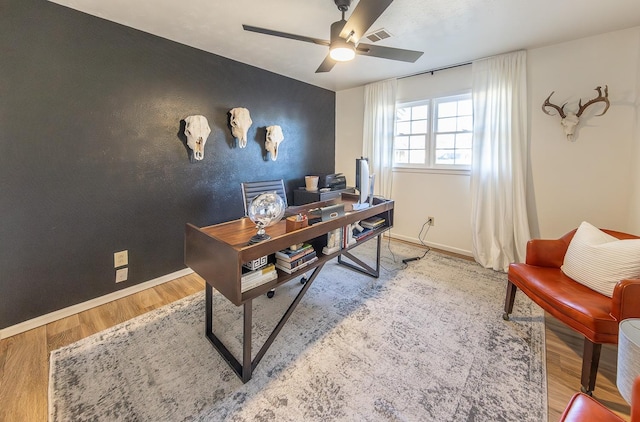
<point>599,260</point>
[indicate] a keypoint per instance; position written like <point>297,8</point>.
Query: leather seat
<point>584,408</point>
<point>588,312</point>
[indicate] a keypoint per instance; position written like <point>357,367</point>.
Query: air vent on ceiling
<point>378,35</point>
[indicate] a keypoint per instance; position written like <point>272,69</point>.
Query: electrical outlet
<point>431,221</point>
<point>120,259</point>
<point>122,274</point>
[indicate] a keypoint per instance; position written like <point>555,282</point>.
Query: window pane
<point>463,156</point>
<point>416,156</point>
<point>417,142</point>
<point>447,125</point>
<point>403,113</point>
<point>401,156</point>
<point>445,141</point>
<point>445,156</point>
<point>447,109</point>
<point>465,108</point>
<point>465,123</point>
<point>401,142</point>
<point>419,126</point>
<point>463,140</point>
<point>403,128</point>
<point>420,112</point>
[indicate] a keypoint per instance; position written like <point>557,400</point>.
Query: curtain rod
<point>432,71</point>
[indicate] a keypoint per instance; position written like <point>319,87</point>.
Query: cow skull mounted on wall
<point>240,123</point>
<point>569,119</point>
<point>197,131</point>
<point>274,138</point>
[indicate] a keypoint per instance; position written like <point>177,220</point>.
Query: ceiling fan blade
<point>363,16</point>
<point>285,35</point>
<point>388,53</point>
<point>326,65</point>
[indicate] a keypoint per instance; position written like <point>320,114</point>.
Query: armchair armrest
<point>625,302</point>
<point>548,252</point>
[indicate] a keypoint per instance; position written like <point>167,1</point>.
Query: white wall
<point>634,218</point>
<point>594,178</point>
<point>591,178</point>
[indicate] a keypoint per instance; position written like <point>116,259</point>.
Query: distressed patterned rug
<point>421,343</point>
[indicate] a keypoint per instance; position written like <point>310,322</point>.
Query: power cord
<point>421,239</point>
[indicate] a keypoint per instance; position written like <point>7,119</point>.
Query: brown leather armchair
<point>588,312</point>
<point>582,408</point>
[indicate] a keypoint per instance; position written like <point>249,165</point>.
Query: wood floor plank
<point>24,378</point>
<point>63,332</point>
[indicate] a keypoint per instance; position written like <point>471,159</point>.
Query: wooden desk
<point>217,253</point>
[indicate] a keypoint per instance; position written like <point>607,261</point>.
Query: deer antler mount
<point>569,119</point>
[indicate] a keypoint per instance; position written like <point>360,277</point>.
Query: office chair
<point>252,189</point>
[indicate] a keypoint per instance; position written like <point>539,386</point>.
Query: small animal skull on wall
<point>197,131</point>
<point>274,138</point>
<point>240,123</point>
<point>569,119</point>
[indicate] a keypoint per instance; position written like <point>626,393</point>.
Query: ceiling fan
<point>345,35</point>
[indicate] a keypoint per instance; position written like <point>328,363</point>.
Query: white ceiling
<point>448,31</point>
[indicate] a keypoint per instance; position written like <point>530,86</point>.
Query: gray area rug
<point>424,343</point>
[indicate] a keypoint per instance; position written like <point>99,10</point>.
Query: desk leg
<point>247,367</point>
<point>208,293</point>
<point>245,370</point>
<point>363,267</point>
<point>220,347</point>
<point>286,316</point>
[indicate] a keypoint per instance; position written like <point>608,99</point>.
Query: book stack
<point>258,277</point>
<point>292,260</point>
<point>359,235</point>
<point>373,222</point>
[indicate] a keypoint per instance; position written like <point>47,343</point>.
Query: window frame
<point>430,141</point>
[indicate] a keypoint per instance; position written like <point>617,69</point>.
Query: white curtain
<point>377,143</point>
<point>499,221</point>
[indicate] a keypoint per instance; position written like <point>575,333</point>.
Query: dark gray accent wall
<point>93,159</point>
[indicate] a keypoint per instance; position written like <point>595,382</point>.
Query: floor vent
<point>378,35</point>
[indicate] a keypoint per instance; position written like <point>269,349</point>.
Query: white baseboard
<point>433,245</point>
<point>74,309</point>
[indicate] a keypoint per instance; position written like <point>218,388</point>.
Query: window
<point>434,133</point>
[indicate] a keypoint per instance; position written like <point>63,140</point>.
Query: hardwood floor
<point>24,358</point>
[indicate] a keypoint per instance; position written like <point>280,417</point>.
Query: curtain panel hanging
<point>378,130</point>
<point>499,220</point>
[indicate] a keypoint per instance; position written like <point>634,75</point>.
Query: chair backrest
<point>252,189</point>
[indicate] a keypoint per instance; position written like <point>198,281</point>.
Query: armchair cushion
<point>599,260</point>
<point>576,305</point>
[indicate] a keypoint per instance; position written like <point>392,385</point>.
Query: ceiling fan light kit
<point>346,34</point>
<point>342,51</point>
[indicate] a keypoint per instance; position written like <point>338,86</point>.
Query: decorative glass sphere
<point>265,210</point>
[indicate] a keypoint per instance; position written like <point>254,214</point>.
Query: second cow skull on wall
<point>273,140</point>
<point>569,119</point>
<point>240,122</point>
